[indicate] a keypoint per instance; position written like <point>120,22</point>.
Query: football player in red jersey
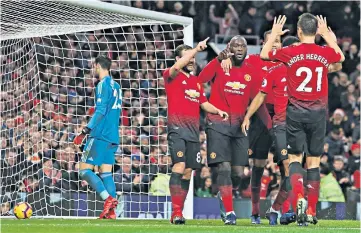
<point>307,68</point>
<point>227,146</point>
<point>184,96</point>
<point>260,140</point>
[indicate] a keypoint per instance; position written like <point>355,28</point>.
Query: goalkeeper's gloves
<point>78,140</point>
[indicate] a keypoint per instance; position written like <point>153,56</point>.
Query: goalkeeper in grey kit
<point>103,138</point>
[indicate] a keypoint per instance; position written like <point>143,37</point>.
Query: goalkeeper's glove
<point>78,140</point>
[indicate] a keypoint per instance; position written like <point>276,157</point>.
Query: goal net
<point>46,92</point>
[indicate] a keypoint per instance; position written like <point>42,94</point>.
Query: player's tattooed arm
<point>276,31</point>
<point>186,58</point>
<point>328,35</point>
<point>208,107</point>
<point>255,105</point>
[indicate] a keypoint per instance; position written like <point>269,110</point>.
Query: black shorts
<point>260,140</point>
<point>298,133</point>
<point>224,148</point>
<point>184,151</point>
<point>280,144</point>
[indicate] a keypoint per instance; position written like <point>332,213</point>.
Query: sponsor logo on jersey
<point>264,68</point>
<point>192,93</point>
<point>235,85</point>
<point>184,82</point>
<point>213,155</point>
<point>284,80</point>
<point>247,77</point>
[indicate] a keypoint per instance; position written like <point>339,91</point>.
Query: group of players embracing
<point>287,87</point>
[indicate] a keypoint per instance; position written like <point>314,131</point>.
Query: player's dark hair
<point>290,40</point>
<point>266,33</point>
<point>104,62</point>
<point>180,48</point>
<point>308,24</point>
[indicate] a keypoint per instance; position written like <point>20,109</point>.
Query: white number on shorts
<point>198,159</point>
<point>302,87</point>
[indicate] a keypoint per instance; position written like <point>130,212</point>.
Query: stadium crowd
<point>40,115</point>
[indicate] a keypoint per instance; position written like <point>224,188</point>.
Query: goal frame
<point>152,15</point>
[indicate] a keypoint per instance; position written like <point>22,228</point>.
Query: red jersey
<point>184,96</point>
<point>262,66</point>
<point>230,93</point>
<point>307,69</point>
<point>275,82</point>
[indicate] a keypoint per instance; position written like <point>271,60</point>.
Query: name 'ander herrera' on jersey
<point>309,56</point>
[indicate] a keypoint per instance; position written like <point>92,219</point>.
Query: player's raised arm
<point>276,31</point>
<point>183,61</point>
<point>328,36</point>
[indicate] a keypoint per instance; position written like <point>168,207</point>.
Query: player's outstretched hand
<point>202,45</point>
<point>245,125</point>
<point>322,28</point>
<point>278,24</point>
<point>78,140</point>
<point>224,115</point>
<point>332,34</point>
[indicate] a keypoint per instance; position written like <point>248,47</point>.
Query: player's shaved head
<point>238,39</point>
<point>307,23</point>
<point>238,46</point>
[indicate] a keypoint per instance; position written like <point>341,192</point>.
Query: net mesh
<point>47,97</point>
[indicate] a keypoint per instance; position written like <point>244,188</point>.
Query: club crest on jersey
<point>180,154</point>
<point>247,77</point>
<point>235,85</point>
<point>284,152</point>
<point>213,155</point>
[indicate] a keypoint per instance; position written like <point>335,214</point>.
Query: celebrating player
<point>226,144</point>
<point>307,67</point>
<point>185,95</point>
<point>103,138</point>
<point>260,140</point>
<point>275,83</point>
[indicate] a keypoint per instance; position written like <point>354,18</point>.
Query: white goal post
<point>46,86</point>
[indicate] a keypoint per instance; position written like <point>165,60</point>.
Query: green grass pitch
<point>163,226</point>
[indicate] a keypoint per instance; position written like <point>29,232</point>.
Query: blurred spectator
<point>335,144</point>
<point>228,25</point>
<point>205,190</point>
<point>342,177</point>
<point>354,159</point>
<point>5,206</point>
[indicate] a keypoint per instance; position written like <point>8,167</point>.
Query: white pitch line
<point>188,226</point>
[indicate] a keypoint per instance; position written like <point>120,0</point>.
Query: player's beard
<point>186,70</point>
